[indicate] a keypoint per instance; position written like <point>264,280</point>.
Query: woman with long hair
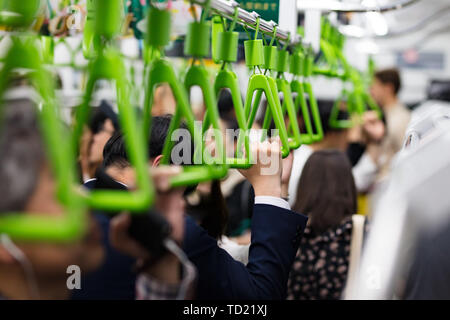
<point>327,195</point>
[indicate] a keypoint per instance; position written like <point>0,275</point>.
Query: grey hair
<point>21,153</point>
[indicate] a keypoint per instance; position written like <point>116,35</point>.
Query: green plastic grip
<point>283,61</point>
<point>228,79</point>
<point>161,71</point>
<point>254,53</point>
<point>318,136</point>
<point>14,13</point>
<point>71,225</point>
<point>197,40</point>
<point>297,64</point>
<point>197,75</point>
<point>270,57</point>
<point>109,65</point>
<point>158,27</point>
<point>227,46</point>
<point>260,83</point>
<point>287,106</point>
<point>300,103</point>
<point>334,122</point>
<point>108,15</point>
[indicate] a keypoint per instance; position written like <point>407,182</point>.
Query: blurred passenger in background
<point>102,126</point>
<point>35,270</point>
<point>333,138</point>
<point>327,194</point>
<point>384,90</point>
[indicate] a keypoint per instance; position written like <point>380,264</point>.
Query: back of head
<point>326,191</point>
<point>101,114</point>
<point>390,76</point>
<point>115,152</point>
<point>22,153</point>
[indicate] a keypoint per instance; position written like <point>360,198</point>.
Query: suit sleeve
<point>276,236</point>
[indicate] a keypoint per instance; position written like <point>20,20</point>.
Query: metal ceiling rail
<point>248,19</point>
<point>338,6</point>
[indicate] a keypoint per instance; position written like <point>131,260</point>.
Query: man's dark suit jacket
<point>276,235</point>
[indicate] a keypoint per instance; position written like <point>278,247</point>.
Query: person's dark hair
<point>22,153</point>
<point>390,76</point>
<point>326,190</point>
<point>114,152</point>
<point>101,114</point>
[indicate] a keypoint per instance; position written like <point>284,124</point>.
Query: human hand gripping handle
<point>266,172</point>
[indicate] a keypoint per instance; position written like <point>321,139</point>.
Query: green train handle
<point>161,72</point>
<point>300,103</point>
<point>91,42</point>
<point>318,135</point>
<point>329,54</point>
<point>108,65</point>
<point>283,64</point>
<point>225,47</point>
<point>260,83</point>
<point>72,224</point>
<point>308,91</point>
<point>284,87</point>
<point>103,21</point>
<point>19,14</point>
<point>288,106</point>
<point>228,79</point>
<point>197,45</point>
<point>197,75</point>
<point>296,68</point>
<point>48,49</point>
<point>334,122</point>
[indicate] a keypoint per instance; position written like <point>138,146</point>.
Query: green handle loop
<point>226,79</point>
<point>256,55</point>
<point>294,137</point>
<point>142,198</point>
<point>197,75</point>
<point>161,71</point>
<point>300,103</point>
<point>318,136</point>
<point>227,46</point>
<point>334,122</point>
<point>260,83</point>
<point>72,224</point>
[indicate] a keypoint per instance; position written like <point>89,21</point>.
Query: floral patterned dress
<point>320,268</point>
